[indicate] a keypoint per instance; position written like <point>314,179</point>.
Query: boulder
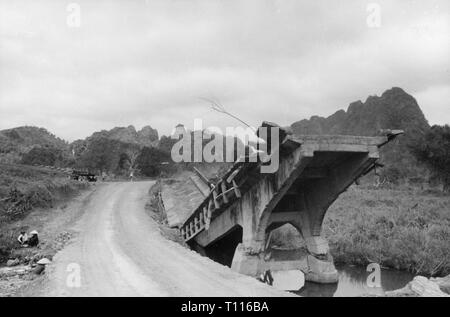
<point>443,282</point>
<point>291,280</point>
<point>12,262</point>
<point>420,286</point>
<point>44,261</point>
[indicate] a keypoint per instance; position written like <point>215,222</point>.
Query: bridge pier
<point>319,270</point>
<point>254,257</point>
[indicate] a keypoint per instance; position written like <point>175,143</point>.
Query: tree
<point>101,155</point>
<point>166,143</point>
<point>107,155</point>
<point>47,156</point>
<point>133,153</point>
<point>433,149</point>
<point>128,158</point>
<point>150,161</point>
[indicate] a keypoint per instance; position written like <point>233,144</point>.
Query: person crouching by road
<point>33,240</point>
<point>23,239</point>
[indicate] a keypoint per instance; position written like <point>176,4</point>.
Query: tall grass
<point>406,229</point>
<point>402,229</point>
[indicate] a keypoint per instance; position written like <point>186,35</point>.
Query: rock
<point>443,282</point>
<point>147,136</point>
<point>14,262</point>
<point>291,280</point>
<point>393,109</point>
<point>44,261</point>
<point>20,270</point>
<point>419,287</point>
<point>39,269</point>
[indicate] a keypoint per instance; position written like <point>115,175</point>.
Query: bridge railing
<point>220,195</point>
<point>226,191</point>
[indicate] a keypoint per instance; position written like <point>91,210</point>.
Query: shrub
<point>399,229</point>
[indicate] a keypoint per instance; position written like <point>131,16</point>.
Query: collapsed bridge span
<point>237,216</point>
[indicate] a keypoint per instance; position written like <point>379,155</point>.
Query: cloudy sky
<point>151,62</point>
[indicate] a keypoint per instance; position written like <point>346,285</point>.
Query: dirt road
<point>119,251</point>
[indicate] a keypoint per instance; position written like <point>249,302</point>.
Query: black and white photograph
<point>230,155</point>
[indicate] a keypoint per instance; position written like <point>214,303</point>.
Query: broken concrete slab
<point>312,172</point>
<point>12,262</point>
<point>420,286</point>
<point>288,280</point>
<point>443,282</point>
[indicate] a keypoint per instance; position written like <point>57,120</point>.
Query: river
<point>353,282</point>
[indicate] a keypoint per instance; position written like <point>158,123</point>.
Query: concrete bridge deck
<point>234,222</point>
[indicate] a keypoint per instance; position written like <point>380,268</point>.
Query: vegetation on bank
<point>433,149</point>
<point>407,229</point>
<point>401,227</point>
<point>23,189</point>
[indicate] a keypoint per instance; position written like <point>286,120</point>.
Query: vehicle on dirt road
<point>79,175</point>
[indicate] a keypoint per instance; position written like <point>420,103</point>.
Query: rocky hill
<point>394,109</point>
<point>14,143</point>
<point>114,150</point>
<point>147,136</point>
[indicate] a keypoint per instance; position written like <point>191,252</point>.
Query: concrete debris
<point>19,270</point>
<point>12,262</point>
<point>420,286</point>
<point>291,280</point>
<point>44,261</point>
<point>443,282</point>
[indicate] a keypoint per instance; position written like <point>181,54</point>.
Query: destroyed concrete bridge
<point>234,222</point>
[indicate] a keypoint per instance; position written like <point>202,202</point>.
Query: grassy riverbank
<point>26,193</point>
<point>406,229</point>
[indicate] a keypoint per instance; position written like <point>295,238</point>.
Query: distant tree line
<point>112,156</point>
<point>103,154</point>
<point>433,149</point>
<point>46,156</point>
<point>99,155</point>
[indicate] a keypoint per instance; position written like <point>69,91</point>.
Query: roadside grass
<point>23,193</point>
<point>406,229</point>
<point>156,210</point>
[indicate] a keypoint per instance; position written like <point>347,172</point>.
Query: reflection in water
<point>353,282</point>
